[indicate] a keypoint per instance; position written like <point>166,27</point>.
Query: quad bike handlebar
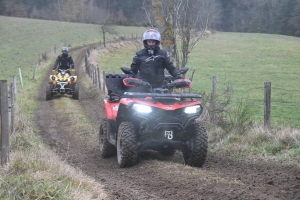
<point>60,70</point>
<point>169,83</point>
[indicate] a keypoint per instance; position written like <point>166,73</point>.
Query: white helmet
<point>151,34</point>
<point>65,49</point>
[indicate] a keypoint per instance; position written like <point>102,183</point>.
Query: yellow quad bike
<point>62,83</point>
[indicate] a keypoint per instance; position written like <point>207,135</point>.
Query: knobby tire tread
<point>127,152</point>
<point>107,150</point>
<point>197,156</point>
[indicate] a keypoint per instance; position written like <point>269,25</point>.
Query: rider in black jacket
<point>151,61</point>
<point>64,61</point>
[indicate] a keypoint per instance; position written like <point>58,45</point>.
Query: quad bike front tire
<point>75,91</point>
<point>49,91</point>
<point>107,150</point>
<point>195,156</point>
<point>126,145</point>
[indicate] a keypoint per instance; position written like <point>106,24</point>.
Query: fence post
<point>86,62</point>
<point>103,85</point>
<point>214,97</point>
<point>93,74</point>
<point>267,110</point>
<point>12,108</point>
<point>39,59</point>
<point>89,70</point>
<point>4,122</point>
<point>99,80</point>
<point>15,87</point>
<point>21,79</point>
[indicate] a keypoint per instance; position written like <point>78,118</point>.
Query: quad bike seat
<point>115,86</point>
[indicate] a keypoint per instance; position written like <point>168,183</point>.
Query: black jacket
<point>151,67</point>
<point>64,62</point>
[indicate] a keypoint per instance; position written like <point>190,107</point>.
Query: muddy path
<point>154,177</point>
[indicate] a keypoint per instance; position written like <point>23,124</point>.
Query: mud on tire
<point>196,155</point>
<point>49,91</point>
<point>106,149</point>
<point>126,145</point>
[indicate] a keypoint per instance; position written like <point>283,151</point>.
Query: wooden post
<point>39,59</point>
<point>267,110</point>
<point>21,79</point>
<point>54,48</point>
<point>4,122</point>
<point>98,78</point>
<point>89,69</point>
<point>191,79</point>
<point>15,87</point>
<point>86,62</point>
<point>103,85</point>
<point>12,108</point>
<point>214,98</point>
<point>93,74</point>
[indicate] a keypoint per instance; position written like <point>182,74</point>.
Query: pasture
<point>22,40</point>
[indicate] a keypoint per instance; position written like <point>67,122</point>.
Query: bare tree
<point>107,27</point>
<point>183,24</point>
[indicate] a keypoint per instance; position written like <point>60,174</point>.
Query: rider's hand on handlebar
<point>178,77</point>
<point>53,70</point>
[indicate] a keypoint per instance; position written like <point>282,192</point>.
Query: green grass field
<point>22,40</point>
<point>246,61</point>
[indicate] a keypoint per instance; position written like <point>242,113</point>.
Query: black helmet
<point>151,34</point>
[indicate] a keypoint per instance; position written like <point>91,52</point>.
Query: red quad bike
<point>139,118</point>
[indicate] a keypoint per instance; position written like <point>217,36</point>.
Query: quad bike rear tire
<point>196,155</point>
<point>126,145</point>
<point>49,91</point>
<point>107,150</point>
<point>167,151</point>
<point>75,91</point>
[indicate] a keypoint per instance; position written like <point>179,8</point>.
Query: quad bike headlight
<point>72,78</point>
<point>142,108</point>
<point>53,77</point>
<point>192,109</point>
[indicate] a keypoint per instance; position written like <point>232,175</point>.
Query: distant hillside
<point>23,40</point>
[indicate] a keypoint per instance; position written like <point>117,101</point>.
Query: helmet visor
<point>151,35</point>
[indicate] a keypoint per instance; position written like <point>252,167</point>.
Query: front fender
<point>111,109</point>
<point>72,79</point>
<point>53,79</point>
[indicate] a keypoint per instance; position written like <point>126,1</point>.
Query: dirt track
<point>157,177</point>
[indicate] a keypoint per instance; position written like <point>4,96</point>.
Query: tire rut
<point>155,176</point>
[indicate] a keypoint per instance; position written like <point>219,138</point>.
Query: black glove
<point>178,76</point>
